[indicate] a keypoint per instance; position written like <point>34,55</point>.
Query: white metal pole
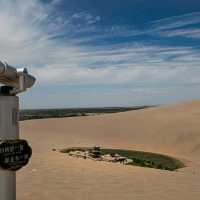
<point>9,129</point>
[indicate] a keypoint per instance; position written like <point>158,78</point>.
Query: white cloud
<point>88,18</point>
<point>178,26</point>
<point>177,21</point>
<point>187,33</point>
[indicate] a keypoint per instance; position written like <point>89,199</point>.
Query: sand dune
<point>172,130</point>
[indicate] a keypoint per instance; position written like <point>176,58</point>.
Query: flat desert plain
<point>173,130</point>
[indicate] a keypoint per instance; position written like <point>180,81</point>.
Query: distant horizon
<point>101,107</point>
<point>59,108</point>
<point>115,106</point>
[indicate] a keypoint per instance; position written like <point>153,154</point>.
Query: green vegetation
<point>72,112</point>
<point>139,158</point>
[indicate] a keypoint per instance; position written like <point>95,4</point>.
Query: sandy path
<point>173,130</point>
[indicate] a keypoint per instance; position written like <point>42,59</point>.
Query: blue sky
<point>87,53</point>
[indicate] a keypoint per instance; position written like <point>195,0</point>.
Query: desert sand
<point>173,130</point>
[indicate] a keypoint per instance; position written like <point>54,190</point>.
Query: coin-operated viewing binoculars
<point>14,152</point>
<point>15,80</point>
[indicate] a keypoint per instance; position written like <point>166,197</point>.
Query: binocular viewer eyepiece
<point>15,80</point>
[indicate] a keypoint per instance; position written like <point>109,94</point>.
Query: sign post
<point>9,130</point>
<point>14,153</point>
